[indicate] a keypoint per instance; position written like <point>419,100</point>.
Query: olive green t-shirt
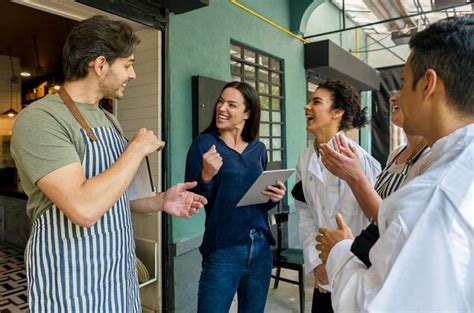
<point>45,137</point>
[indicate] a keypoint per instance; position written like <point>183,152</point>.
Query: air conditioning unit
<point>402,37</point>
<point>327,60</point>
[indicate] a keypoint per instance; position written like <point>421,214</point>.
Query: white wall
<point>141,105</point>
<point>141,108</point>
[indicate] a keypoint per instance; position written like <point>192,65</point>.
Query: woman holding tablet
<point>225,160</point>
<point>333,108</point>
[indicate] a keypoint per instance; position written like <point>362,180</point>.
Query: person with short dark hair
<point>77,169</point>
<point>97,36</point>
<point>334,107</point>
<point>423,260</point>
<point>225,160</point>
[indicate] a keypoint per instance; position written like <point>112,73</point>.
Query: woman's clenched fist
<point>211,163</point>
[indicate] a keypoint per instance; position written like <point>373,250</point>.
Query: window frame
<point>270,139</point>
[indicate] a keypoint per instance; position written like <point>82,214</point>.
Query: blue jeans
<point>242,269</point>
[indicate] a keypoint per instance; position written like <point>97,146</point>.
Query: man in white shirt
<point>424,258</point>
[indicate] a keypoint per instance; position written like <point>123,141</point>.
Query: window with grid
<point>265,73</point>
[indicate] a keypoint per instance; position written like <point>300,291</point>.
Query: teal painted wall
<point>199,45</point>
<point>297,14</point>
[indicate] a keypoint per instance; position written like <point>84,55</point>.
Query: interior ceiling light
<point>10,113</point>
<point>25,74</point>
<point>13,80</point>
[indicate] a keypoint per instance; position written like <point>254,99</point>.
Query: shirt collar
<point>216,135</point>
<point>457,138</point>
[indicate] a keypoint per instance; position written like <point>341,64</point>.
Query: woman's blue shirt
<point>226,224</point>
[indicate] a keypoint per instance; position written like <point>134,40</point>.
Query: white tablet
<point>267,178</point>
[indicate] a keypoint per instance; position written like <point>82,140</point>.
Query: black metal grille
<point>265,73</point>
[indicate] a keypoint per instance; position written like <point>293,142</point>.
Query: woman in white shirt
<point>404,163</point>
<point>333,108</point>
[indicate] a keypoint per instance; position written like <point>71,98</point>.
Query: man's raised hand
<point>180,202</point>
<point>146,142</point>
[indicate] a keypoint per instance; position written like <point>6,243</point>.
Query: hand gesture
<point>328,238</point>
<point>146,142</point>
<point>320,278</point>
<point>182,203</point>
<point>275,192</point>
<point>211,163</point>
<point>342,161</point>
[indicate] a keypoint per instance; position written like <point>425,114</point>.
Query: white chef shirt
<point>424,258</point>
<point>326,195</point>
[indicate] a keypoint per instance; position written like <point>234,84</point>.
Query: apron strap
<point>395,157</point>
<point>76,113</point>
<point>418,155</point>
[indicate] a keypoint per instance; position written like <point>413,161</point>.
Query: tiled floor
<point>13,289</point>
<point>286,299</point>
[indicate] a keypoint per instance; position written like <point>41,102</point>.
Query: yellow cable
<point>357,43</point>
<point>263,18</point>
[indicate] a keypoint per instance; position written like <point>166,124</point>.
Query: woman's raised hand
<point>211,163</point>
<point>342,160</point>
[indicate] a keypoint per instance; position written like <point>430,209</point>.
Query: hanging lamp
<point>14,80</point>
<point>10,113</point>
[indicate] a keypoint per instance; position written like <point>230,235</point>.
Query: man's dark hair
<point>346,98</point>
<point>447,47</point>
<point>94,37</point>
<point>252,104</point>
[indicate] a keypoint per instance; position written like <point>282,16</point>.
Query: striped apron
<point>388,182</point>
<point>77,269</point>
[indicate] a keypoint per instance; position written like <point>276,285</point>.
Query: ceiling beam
<point>381,22</point>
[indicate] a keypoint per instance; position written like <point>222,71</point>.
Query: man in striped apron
<point>75,167</point>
